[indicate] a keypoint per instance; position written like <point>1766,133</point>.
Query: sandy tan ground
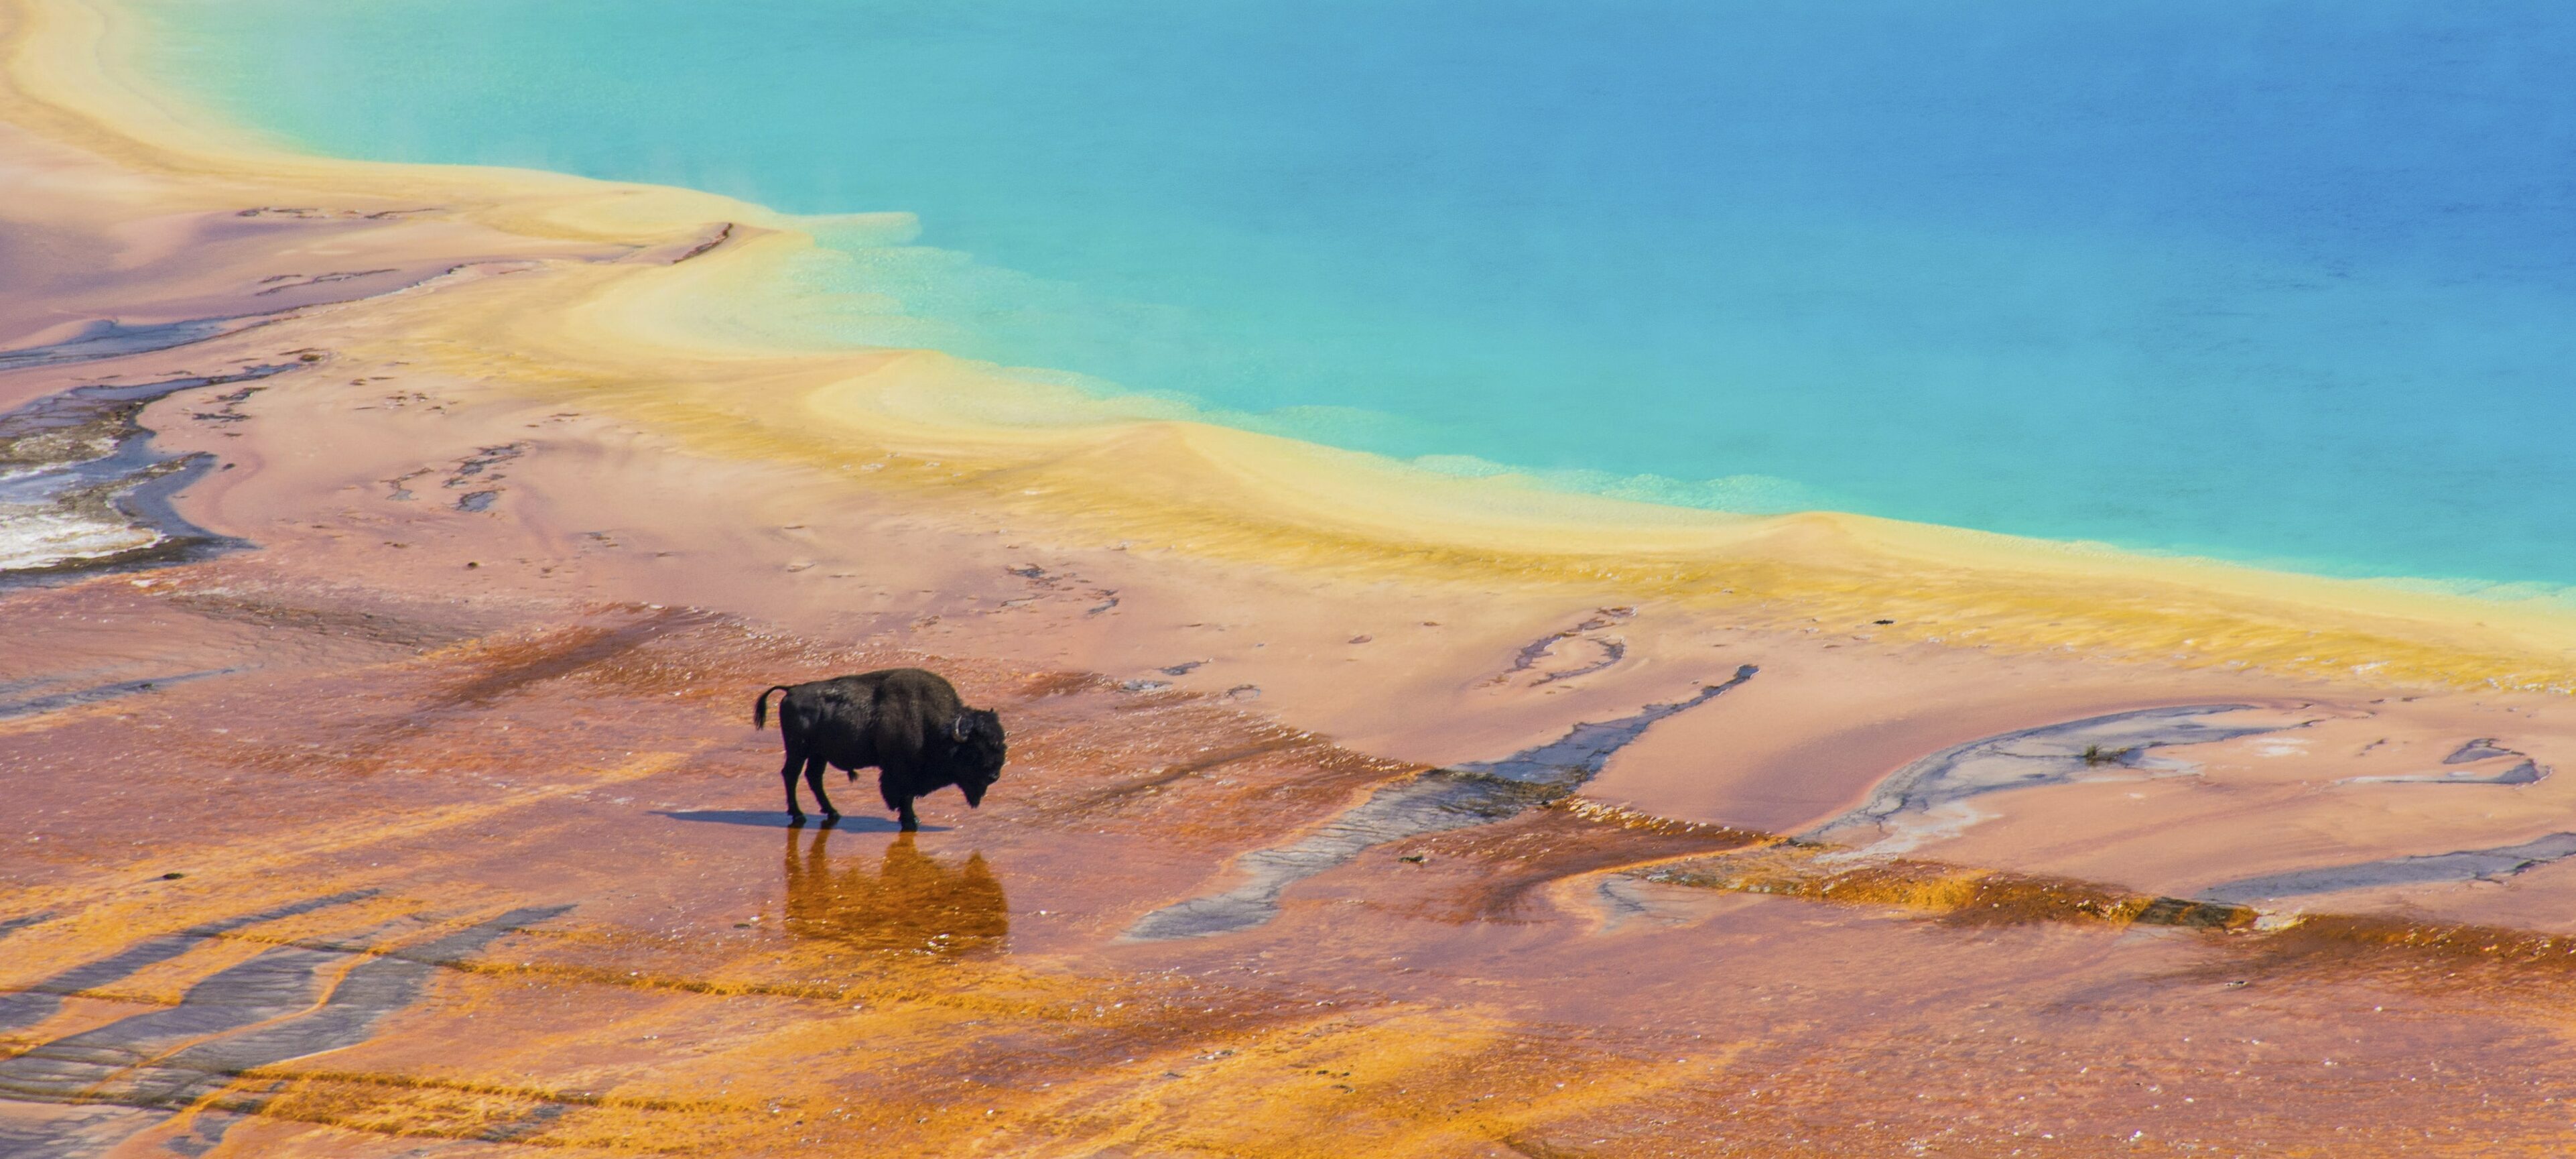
<point>431,821</point>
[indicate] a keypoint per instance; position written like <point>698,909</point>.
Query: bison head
<point>977,758</point>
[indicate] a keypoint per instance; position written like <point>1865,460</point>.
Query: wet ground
<point>401,875</point>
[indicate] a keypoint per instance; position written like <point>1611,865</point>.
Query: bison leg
<point>814,781</point>
<point>896,799</point>
<point>795,814</point>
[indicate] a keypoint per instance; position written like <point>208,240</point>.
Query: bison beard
<point>908,724</point>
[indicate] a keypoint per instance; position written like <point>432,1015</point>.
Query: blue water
<point>2287,283</point>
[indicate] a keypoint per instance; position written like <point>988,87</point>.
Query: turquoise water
<point>2286,283</point>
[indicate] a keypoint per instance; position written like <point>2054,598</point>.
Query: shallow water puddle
<point>109,338</point>
<point>2463,865</point>
<point>81,486</point>
<point>1478,793</point>
<point>1927,799</point>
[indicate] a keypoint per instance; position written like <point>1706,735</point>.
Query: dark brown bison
<point>907,723</point>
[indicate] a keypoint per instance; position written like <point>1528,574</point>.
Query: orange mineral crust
<point>445,882</point>
<point>377,774</point>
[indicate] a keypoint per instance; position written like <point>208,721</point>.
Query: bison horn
<point>960,727</point>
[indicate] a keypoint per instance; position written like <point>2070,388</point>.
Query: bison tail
<point>760,706</point>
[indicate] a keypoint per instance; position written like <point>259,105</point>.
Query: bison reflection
<point>909,903</point>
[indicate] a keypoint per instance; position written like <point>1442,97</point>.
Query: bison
<point>908,723</point>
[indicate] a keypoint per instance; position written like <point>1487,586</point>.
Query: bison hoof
<point>795,819</point>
